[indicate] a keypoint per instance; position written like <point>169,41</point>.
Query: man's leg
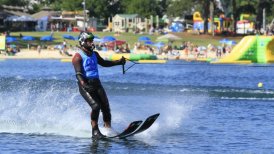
<point>92,100</point>
<point>105,107</point>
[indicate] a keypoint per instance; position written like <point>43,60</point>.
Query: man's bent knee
<point>95,107</point>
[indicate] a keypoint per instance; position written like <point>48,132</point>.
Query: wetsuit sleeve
<point>106,63</point>
<point>76,61</point>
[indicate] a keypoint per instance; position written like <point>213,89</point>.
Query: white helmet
<point>85,36</point>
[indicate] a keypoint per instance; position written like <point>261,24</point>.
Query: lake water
<point>204,108</point>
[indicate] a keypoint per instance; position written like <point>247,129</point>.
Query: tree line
<point>103,9</point>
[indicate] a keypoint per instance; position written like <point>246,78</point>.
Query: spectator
<point>39,48</point>
<point>127,50</point>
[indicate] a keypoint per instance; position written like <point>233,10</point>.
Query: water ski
<point>136,127</point>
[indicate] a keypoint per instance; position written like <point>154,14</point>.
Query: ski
<point>144,126</point>
<point>130,129</point>
<point>136,127</point>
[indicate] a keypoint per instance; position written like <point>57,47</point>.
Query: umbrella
<point>149,42</point>
<point>143,38</point>
<point>116,42</point>
<point>224,40</point>
<point>159,44</point>
<point>69,37</point>
<point>28,38</point>
<point>96,37</point>
<point>46,38</point>
<point>165,40</point>
<point>97,40</point>
<point>169,37</point>
<point>108,39</point>
<point>10,39</point>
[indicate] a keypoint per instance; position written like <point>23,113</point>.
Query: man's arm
<point>77,63</point>
<point>108,63</point>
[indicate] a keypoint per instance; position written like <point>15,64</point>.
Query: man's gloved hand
<point>122,61</point>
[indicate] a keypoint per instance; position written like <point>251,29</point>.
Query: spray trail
<point>42,106</point>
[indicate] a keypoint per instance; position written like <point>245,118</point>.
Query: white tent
<point>169,37</point>
<point>20,18</point>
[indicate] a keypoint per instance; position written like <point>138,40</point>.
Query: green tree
<point>263,4</point>
<point>203,6</point>
<point>35,8</point>
<point>72,5</point>
<point>22,3</point>
<point>206,5</point>
<point>163,7</point>
<point>55,5</point>
<point>144,8</point>
<point>180,8</point>
<point>103,9</point>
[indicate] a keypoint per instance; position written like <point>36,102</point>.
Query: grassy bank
<point>129,37</point>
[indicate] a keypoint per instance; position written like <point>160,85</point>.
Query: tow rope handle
<point>123,66</point>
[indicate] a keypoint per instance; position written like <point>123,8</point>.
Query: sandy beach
<point>55,54</point>
<point>33,54</point>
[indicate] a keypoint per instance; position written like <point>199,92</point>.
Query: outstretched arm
<point>108,63</point>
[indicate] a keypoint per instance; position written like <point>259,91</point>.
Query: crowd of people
<point>11,50</point>
<point>184,50</point>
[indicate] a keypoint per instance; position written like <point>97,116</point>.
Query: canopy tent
<point>20,18</point>
<point>20,23</point>
<point>115,43</point>
<point>12,18</point>
<point>169,37</point>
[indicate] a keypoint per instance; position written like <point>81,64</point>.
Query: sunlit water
<point>204,108</point>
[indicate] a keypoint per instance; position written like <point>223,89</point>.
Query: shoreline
<point>33,54</point>
<point>55,54</point>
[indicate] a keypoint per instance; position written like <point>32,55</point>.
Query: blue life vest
<point>90,68</point>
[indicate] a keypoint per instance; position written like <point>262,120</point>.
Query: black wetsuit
<point>94,92</point>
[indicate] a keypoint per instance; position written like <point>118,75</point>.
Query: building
<point>15,18</point>
<point>43,17</point>
<point>127,23</point>
<point>72,21</point>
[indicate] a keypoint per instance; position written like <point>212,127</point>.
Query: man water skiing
<point>85,64</point>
